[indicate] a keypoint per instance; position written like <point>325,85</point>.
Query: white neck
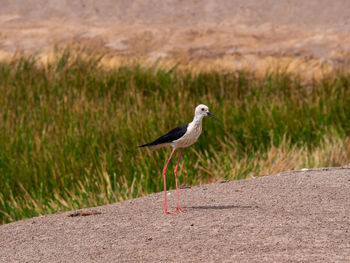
<point>197,120</point>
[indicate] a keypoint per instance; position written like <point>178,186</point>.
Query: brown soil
<point>306,36</point>
<point>298,216</point>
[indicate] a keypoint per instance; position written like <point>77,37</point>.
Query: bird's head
<point>203,110</point>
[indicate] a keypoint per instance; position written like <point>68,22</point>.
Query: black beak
<point>213,116</point>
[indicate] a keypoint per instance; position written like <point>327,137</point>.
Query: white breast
<point>194,130</point>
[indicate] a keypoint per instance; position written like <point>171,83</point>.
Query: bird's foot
<point>174,212</point>
<point>169,212</point>
<point>180,210</point>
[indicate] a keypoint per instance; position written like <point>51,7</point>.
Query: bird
<point>179,138</point>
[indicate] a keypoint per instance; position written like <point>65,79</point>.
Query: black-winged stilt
<point>180,137</point>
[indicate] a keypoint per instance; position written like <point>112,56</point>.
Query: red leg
<point>177,191</point>
<point>164,177</point>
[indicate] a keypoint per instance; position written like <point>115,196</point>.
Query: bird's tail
<point>153,146</point>
<point>144,145</point>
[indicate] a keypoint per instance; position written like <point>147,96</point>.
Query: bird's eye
<point>202,109</point>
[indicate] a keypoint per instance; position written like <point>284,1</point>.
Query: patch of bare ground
<point>297,216</point>
<point>308,37</point>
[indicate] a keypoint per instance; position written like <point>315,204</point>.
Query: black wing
<point>171,136</point>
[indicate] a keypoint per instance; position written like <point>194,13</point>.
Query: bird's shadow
<point>221,207</point>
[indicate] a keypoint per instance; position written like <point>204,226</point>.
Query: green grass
<point>69,130</point>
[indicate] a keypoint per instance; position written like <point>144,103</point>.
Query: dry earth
<point>311,36</point>
<point>298,216</point>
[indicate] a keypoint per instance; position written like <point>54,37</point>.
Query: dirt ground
<point>309,37</point>
<point>298,216</point>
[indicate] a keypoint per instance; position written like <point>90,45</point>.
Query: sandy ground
<point>298,216</point>
<point>311,36</point>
